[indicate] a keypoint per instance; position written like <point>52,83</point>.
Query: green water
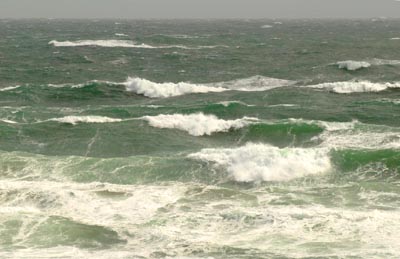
<point>232,163</point>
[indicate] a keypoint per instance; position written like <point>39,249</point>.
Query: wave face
<point>352,65</point>
<point>85,119</point>
<point>261,162</point>
<point>355,87</point>
<point>197,124</point>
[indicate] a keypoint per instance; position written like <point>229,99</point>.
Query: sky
<point>182,9</point>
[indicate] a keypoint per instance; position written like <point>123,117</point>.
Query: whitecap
<point>262,162</point>
<point>197,124</point>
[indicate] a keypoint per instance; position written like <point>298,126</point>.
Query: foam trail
<point>85,119</point>
<point>197,124</point>
<point>355,87</point>
<point>261,162</point>
<point>163,90</point>
<point>352,65</point>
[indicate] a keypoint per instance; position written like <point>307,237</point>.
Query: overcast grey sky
<point>138,9</point>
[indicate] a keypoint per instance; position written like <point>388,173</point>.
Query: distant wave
<point>100,43</point>
<point>262,162</point>
<point>121,44</point>
<point>161,90</point>
<point>355,87</point>
<point>266,26</point>
<point>197,124</point>
<point>85,119</point>
<point>352,65</point>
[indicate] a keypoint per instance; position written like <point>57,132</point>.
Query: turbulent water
<point>193,139</point>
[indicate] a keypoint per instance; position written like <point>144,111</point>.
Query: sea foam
<point>197,124</point>
<point>262,162</point>
<point>355,87</point>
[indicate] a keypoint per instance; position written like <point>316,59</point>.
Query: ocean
<point>269,139</point>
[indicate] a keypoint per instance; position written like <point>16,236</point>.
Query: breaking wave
<point>261,162</point>
<point>197,124</point>
<point>162,90</point>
